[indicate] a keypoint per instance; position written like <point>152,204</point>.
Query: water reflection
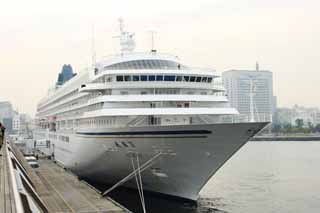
<point>156,204</point>
<point>130,199</point>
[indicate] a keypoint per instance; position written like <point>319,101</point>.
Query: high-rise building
<point>19,122</point>
<point>7,122</point>
<point>6,114</point>
<point>6,110</point>
<point>250,92</point>
<point>316,118</point>
<point>16,122</point>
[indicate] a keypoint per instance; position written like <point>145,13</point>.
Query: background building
<point>309,115</point>
<point>21,124</point>
<point>240,84</point>
<point>13,121</point>
<point>6,110</point>
<point>7,122</point>
<point>16,122</point>
<point>6,114</point>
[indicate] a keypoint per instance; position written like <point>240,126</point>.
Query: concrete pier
<point>287,138</point>
<point>69,194</point>
<point>7,203</point>
<point>58,189</point>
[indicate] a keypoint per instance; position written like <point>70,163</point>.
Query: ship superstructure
<point>171,120</point>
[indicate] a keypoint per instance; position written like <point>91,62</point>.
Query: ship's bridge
<point>138,61</point>
<point>138,56</point>
<point>142,62</point>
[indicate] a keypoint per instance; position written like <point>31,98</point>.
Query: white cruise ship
<point>142,113</point>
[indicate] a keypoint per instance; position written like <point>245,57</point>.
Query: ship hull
<point>189,154</point>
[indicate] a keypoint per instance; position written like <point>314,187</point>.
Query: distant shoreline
<point>286,138</point>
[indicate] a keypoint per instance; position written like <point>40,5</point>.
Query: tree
<point>276,128</point>
<point>317,128</point>
<point>299,123</point>
<point>287,128</point>
<point>310,127</point>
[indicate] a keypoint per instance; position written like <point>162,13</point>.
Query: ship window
<point>153,64</point>
<point>192,79</point>
<point>127,65</point>
<point>148,64</point>
<point>186,78</point>
<point>169,77</point>
<point>204,79</point>
<point>179,78</point>
<point>209,80</point>
<point>152,77</point>
<point>198,79</point>
<point>144,78</point>
<point>163,64</point>
<point>119,78</point>
<point>127,78</point>
<point>140,64</point>
<point>159,64</point>
<point>120,66</point>
<point>134,65</point>
<point>159,78</point>
<point>135,78</point>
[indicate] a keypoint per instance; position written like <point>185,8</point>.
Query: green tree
<point>287,128</point>
<point>276,128</point>
<point>299,123</point>
<point>310,127</point>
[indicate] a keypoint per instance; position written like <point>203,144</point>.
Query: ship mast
<point>93,47</point>
<point>251,101</point>
<point>152,32</point>
<point>127,42</point>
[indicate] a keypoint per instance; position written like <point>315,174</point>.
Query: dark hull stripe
<point>126,137</point>
<point>178,132</point>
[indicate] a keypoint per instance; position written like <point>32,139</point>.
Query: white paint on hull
<point>188,162</point>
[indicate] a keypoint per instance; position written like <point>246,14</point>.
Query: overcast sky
<point>38,37</point>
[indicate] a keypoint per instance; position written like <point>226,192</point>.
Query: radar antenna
<point>93,47</point>
<point>152,32</point>
<point>127,43</point>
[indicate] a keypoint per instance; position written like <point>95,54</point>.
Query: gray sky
<point>38,36</point>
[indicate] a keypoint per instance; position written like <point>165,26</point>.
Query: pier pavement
<point>59,190</point>
<point>7,203</point>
